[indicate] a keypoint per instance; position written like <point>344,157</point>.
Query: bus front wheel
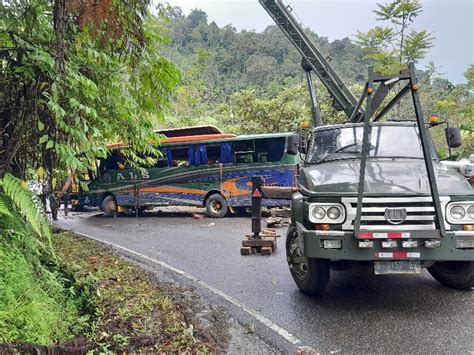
<point>216,206</point>
<point>109,206</point>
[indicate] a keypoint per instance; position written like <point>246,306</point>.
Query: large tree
<point>75,76</point>
<point>395,44</point>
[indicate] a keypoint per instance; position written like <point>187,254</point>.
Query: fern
<point>27,204</point>
<point>10,219</point>
<point>5,208</point>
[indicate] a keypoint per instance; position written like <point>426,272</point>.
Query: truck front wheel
<point>311,275</point>
<point>454,274</point>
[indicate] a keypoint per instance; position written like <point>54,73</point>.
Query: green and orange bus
<point>198,167</point>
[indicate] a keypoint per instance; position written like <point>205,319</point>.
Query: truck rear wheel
<point>311,275</point>
<point>454,274</point>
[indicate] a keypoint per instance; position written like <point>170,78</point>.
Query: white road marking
<point>262,319</point>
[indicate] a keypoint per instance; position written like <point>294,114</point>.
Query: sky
<point>450,21</point>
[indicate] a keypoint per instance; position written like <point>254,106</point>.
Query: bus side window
<point>213,154</point>
<point>177,156</point>
<point>161,161</point>
<point>116,161</point>
<point>244,151</point>
<point>269,149</point>
<point>110,163</point>
<point>227,153</point>
<point>197,155</point>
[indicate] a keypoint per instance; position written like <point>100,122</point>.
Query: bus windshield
<point>386,141</point>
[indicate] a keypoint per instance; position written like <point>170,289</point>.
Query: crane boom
<point>342,96</point>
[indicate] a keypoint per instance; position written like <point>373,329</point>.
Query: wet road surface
<point>359,313</point>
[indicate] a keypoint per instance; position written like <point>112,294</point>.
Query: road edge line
<point>262,319</point>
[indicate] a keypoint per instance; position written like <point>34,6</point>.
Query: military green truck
<point>398,232</point>
<point>374,191</point>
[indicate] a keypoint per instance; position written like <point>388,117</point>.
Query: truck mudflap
<point>343,245</point>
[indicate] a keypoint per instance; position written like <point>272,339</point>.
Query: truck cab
<point>398,231</point>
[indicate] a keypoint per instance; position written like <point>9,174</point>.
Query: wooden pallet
<point>266,245</point>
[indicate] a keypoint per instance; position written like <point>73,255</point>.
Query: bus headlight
<point>332,213</point>
<point>460,212</point>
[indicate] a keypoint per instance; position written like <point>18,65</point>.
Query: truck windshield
<point>385,142</point>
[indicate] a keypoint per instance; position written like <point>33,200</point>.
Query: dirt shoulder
<point>131,310</point>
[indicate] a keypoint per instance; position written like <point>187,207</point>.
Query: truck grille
<point>418,213</point>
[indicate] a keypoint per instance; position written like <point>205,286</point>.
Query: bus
<point>201,168</point>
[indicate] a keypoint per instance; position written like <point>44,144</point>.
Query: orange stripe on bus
<point>170,189</point>
<point>181,139</point>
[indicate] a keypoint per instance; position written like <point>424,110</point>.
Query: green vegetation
<point>83,294</point>
<point>393,47</point>
<point>252,82</point>
<point>76,76</point>
<point>35,306</point>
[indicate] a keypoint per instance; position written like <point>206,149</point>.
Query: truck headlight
<point>334,213</point>
<point>460,212</point>
<point>470,211</point>
<point>318,213</point>
<point>331,213</point>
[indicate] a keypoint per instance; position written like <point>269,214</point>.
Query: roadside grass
<point>127,311</point>
<point>35,306</point>
<point>89,299</point>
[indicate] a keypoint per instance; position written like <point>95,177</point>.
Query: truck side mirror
<point>453,137</point>
<point>292,144</point>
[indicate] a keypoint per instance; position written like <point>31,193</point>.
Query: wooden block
<point>272,238</point>
<point>257,243</point>
<point>266,251</point>
<point>254,250</point>
<point>268,231</point>
<point>245,251</point>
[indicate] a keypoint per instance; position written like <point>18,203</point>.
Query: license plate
<point>397,267</point>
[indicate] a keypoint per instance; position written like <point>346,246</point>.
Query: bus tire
<point>311,275</point>
<point>454,274</point>
<point>109,206</point>
<point>216,206</point>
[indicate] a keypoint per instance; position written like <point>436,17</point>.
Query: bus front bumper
<point>342,245</point>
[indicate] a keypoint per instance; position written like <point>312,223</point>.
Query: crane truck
<point>374,191</point>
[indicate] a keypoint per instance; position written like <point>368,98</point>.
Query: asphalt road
<point>360,312</point>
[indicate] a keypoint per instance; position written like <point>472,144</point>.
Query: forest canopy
<point>239,79</point>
